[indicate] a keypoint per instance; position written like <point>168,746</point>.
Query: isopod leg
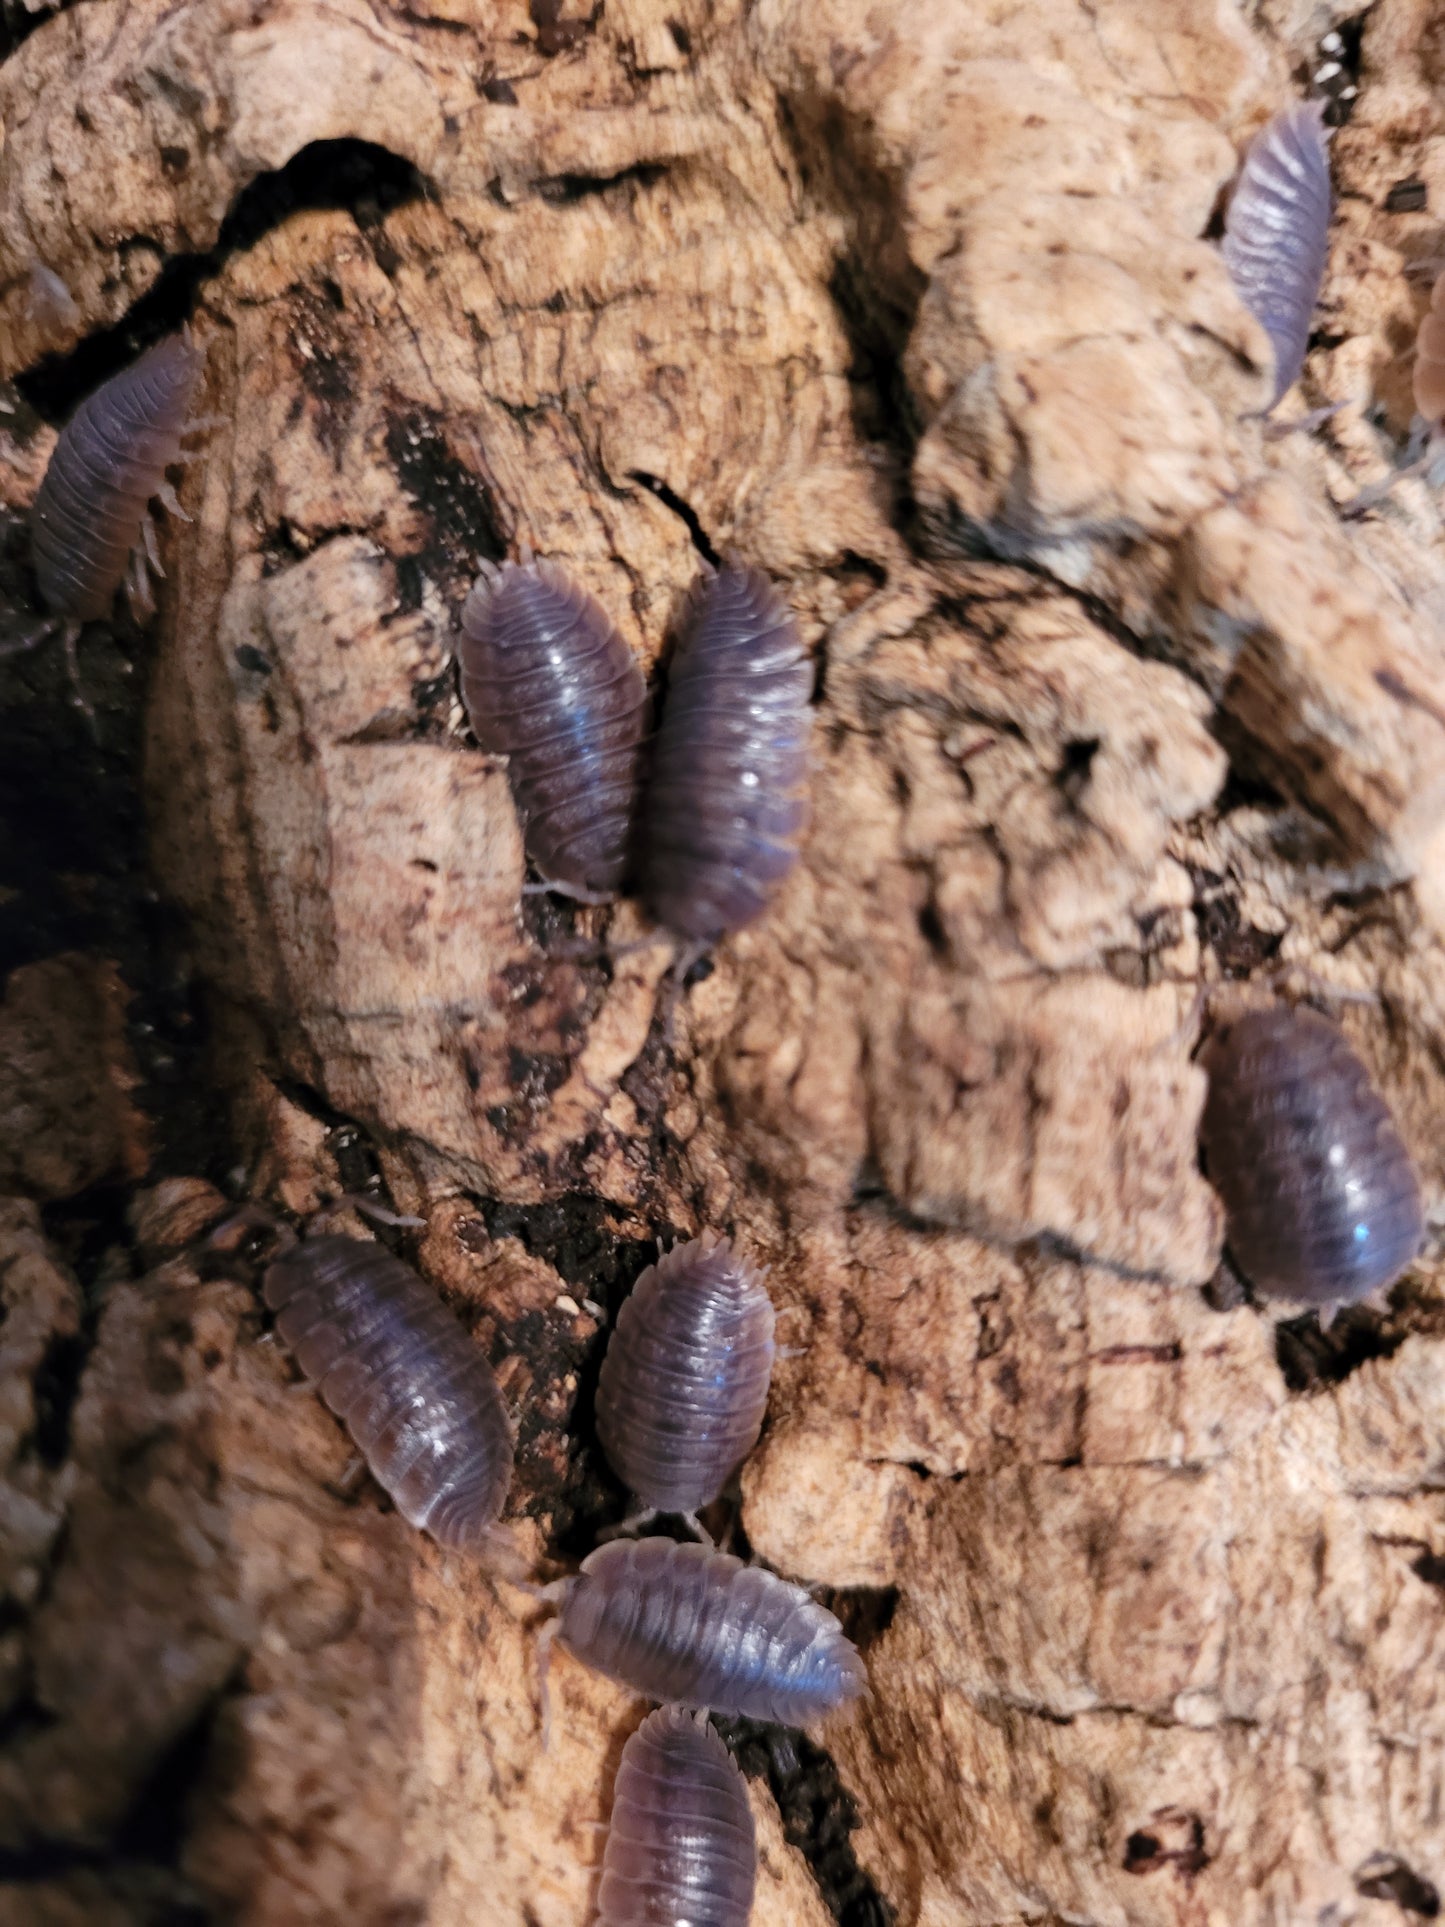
<point>250,1217</point>
<point>32,639</point>
<point>546,887</point>
<point>70,643</point>
<point>139,600</point>
<point>200,426</point>
<point>629,1527</point>
<point>368,1207</point>
<point>675,982</point>
<point>171,503</point>
<point>1306,425</point>
<point>152,543</point>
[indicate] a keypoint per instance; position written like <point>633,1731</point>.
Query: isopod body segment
<point>417,1396</point>
<point>1276,233</point>
<point>723,808</point>
<point>681,1846</point>
<point>550,684</point>
<point>1320,1196</point>
<point>684,1384</point>
<point>686,1623</point>
<point>111,458</point>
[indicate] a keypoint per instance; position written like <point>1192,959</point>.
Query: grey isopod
<point>684,1384</point>
<point>89,519</point>
<point>550,684</point>
<point>416,1395</point>
<point>1276,233</point>
<point>722,813</point>
<point>681,1846</point>
<point>1320,1196</point>
<point>686,1623</point>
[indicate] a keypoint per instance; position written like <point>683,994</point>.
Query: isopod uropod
<point>416,1395</point>
<point>1276,233</point>
<point>549,683</point>
<point>681,1846</point>
<point>686,1623</point>
<point>722,812</point>
<point>1320,1196</point>
<point>684,1384</point>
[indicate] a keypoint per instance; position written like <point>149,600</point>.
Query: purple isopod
<point>1276,233</point>
<point>548,683</point>
<point>722,812</point>
<point>686,1623</point>
<point>1320,1197</point>
<point>681,1846</point>
<point>684,1384</point>
<point>416,1395</point>
<point>90,520</point>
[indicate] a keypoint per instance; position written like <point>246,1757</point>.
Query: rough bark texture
<point>912,307</point>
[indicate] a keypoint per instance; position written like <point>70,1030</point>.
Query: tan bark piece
<point>918,310</point>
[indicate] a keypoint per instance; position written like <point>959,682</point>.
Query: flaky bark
<point>910,306</point>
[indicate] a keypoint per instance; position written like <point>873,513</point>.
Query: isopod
<point>416,1395</point>
<point>681,1846</point>
<point>1320,1196</point>
<point>686,1623</point>
<point>90,526</point>
<point>550,684</point>
<point>89,520</point>
<point>722,813</point>
<point>684,1384</point>
<point>1276,233</point>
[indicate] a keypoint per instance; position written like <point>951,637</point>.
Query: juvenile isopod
<point>90,525</point>
<point>1320,1197</point>
<point>1276,233</point>
<point>681,1847</point>
<point>684,1384</point>
<point>548,683</point>
<point>686,1623</point>
<point>416,1395</point>
<point>723,812</point>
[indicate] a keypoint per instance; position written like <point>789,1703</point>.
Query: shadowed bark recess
<point>915,309</point>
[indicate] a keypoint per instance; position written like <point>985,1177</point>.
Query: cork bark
<point>917,309</point>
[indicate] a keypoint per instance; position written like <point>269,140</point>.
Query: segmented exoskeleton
<point>723,808</point>
<point>684,1384</point>
<point>681,1845</point>
<point>90,523</point>
<point>1321,1200</point>
<point>550,684</point>
<point>415,1393</point>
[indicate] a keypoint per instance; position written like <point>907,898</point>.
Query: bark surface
<point>914,308</point>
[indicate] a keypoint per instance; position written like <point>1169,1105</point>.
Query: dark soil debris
<point>819,1815</point>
